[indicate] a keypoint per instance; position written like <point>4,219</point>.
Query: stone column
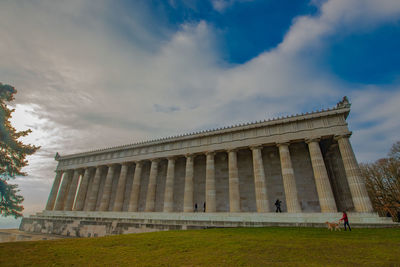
<point>105,199</point>
<point>151,189</point>
<point>211,203</point>
<point>95,189</point>
<point>234,195</point>
<point>119,197</point>
<point>324,190</point>
<point>63,190</point>
<point>359,194</point>
<point>169,186</point>
<point>134,198</point>
<point>259,180</point>
<point>289,181</point>
<point>72,190</point>
<point>188,194</point>
<point>80,198</point>
<point>54,190</point>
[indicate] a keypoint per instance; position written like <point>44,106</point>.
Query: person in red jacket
<point>345,220</point>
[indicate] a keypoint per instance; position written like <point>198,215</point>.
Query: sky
<point>115,72</point>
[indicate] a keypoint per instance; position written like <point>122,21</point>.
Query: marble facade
<point>304,160</point>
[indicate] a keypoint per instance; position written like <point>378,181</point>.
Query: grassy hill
<point>215,247</point>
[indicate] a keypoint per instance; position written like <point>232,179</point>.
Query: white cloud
<point>375,118</point>
<point>221,5</point>
<point>87,86</point>
<point>339,17</point>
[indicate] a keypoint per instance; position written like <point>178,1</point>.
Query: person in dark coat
<point>278,205</point>
<point>204,207</point>
<point>345,219</point>
<point>195,207</point>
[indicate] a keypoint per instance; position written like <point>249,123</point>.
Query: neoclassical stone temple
<point>235,173</point>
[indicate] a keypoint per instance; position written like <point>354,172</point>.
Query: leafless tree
<point>383,182</point>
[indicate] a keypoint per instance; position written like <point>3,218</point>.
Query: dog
<point>333,225</point>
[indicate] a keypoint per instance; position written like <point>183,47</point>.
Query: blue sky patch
<point>367,58</point>
<point>244,29</point>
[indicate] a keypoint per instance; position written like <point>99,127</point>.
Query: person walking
<point>195,207</point>
<point>278,205</point>
<point>345,219</point>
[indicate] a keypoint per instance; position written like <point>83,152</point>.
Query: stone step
<point>226,217</point>
<point>75,223</point>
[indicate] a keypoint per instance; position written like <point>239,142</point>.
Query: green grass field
<point>215,247</point>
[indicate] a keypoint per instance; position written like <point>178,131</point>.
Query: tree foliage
<point>383,182</point>
<point>12,156</point>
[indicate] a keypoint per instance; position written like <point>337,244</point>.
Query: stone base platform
<point>89,224</point>
<point>15,235</point>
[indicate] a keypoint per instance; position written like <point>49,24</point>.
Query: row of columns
<point>68,187</point>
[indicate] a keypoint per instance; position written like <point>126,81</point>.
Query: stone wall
<point>114,187</point>
<point>337,175</point>
<point>144,182</point>
<point>179,183</point>
<point>199,181</point>
<point>92,224</point>
<point>222,182</point>
<point>304,176</point>
<point>128,187</point>
<point>160,189</point>
<point>14,235</point>
<point>246,181</point>
<point>272,169</point>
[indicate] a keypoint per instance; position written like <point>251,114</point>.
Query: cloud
<point>160,108</point>
<point>339,17</point>
<point>375,116</point>
<point>221,5</point>
<point>87,84</point>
